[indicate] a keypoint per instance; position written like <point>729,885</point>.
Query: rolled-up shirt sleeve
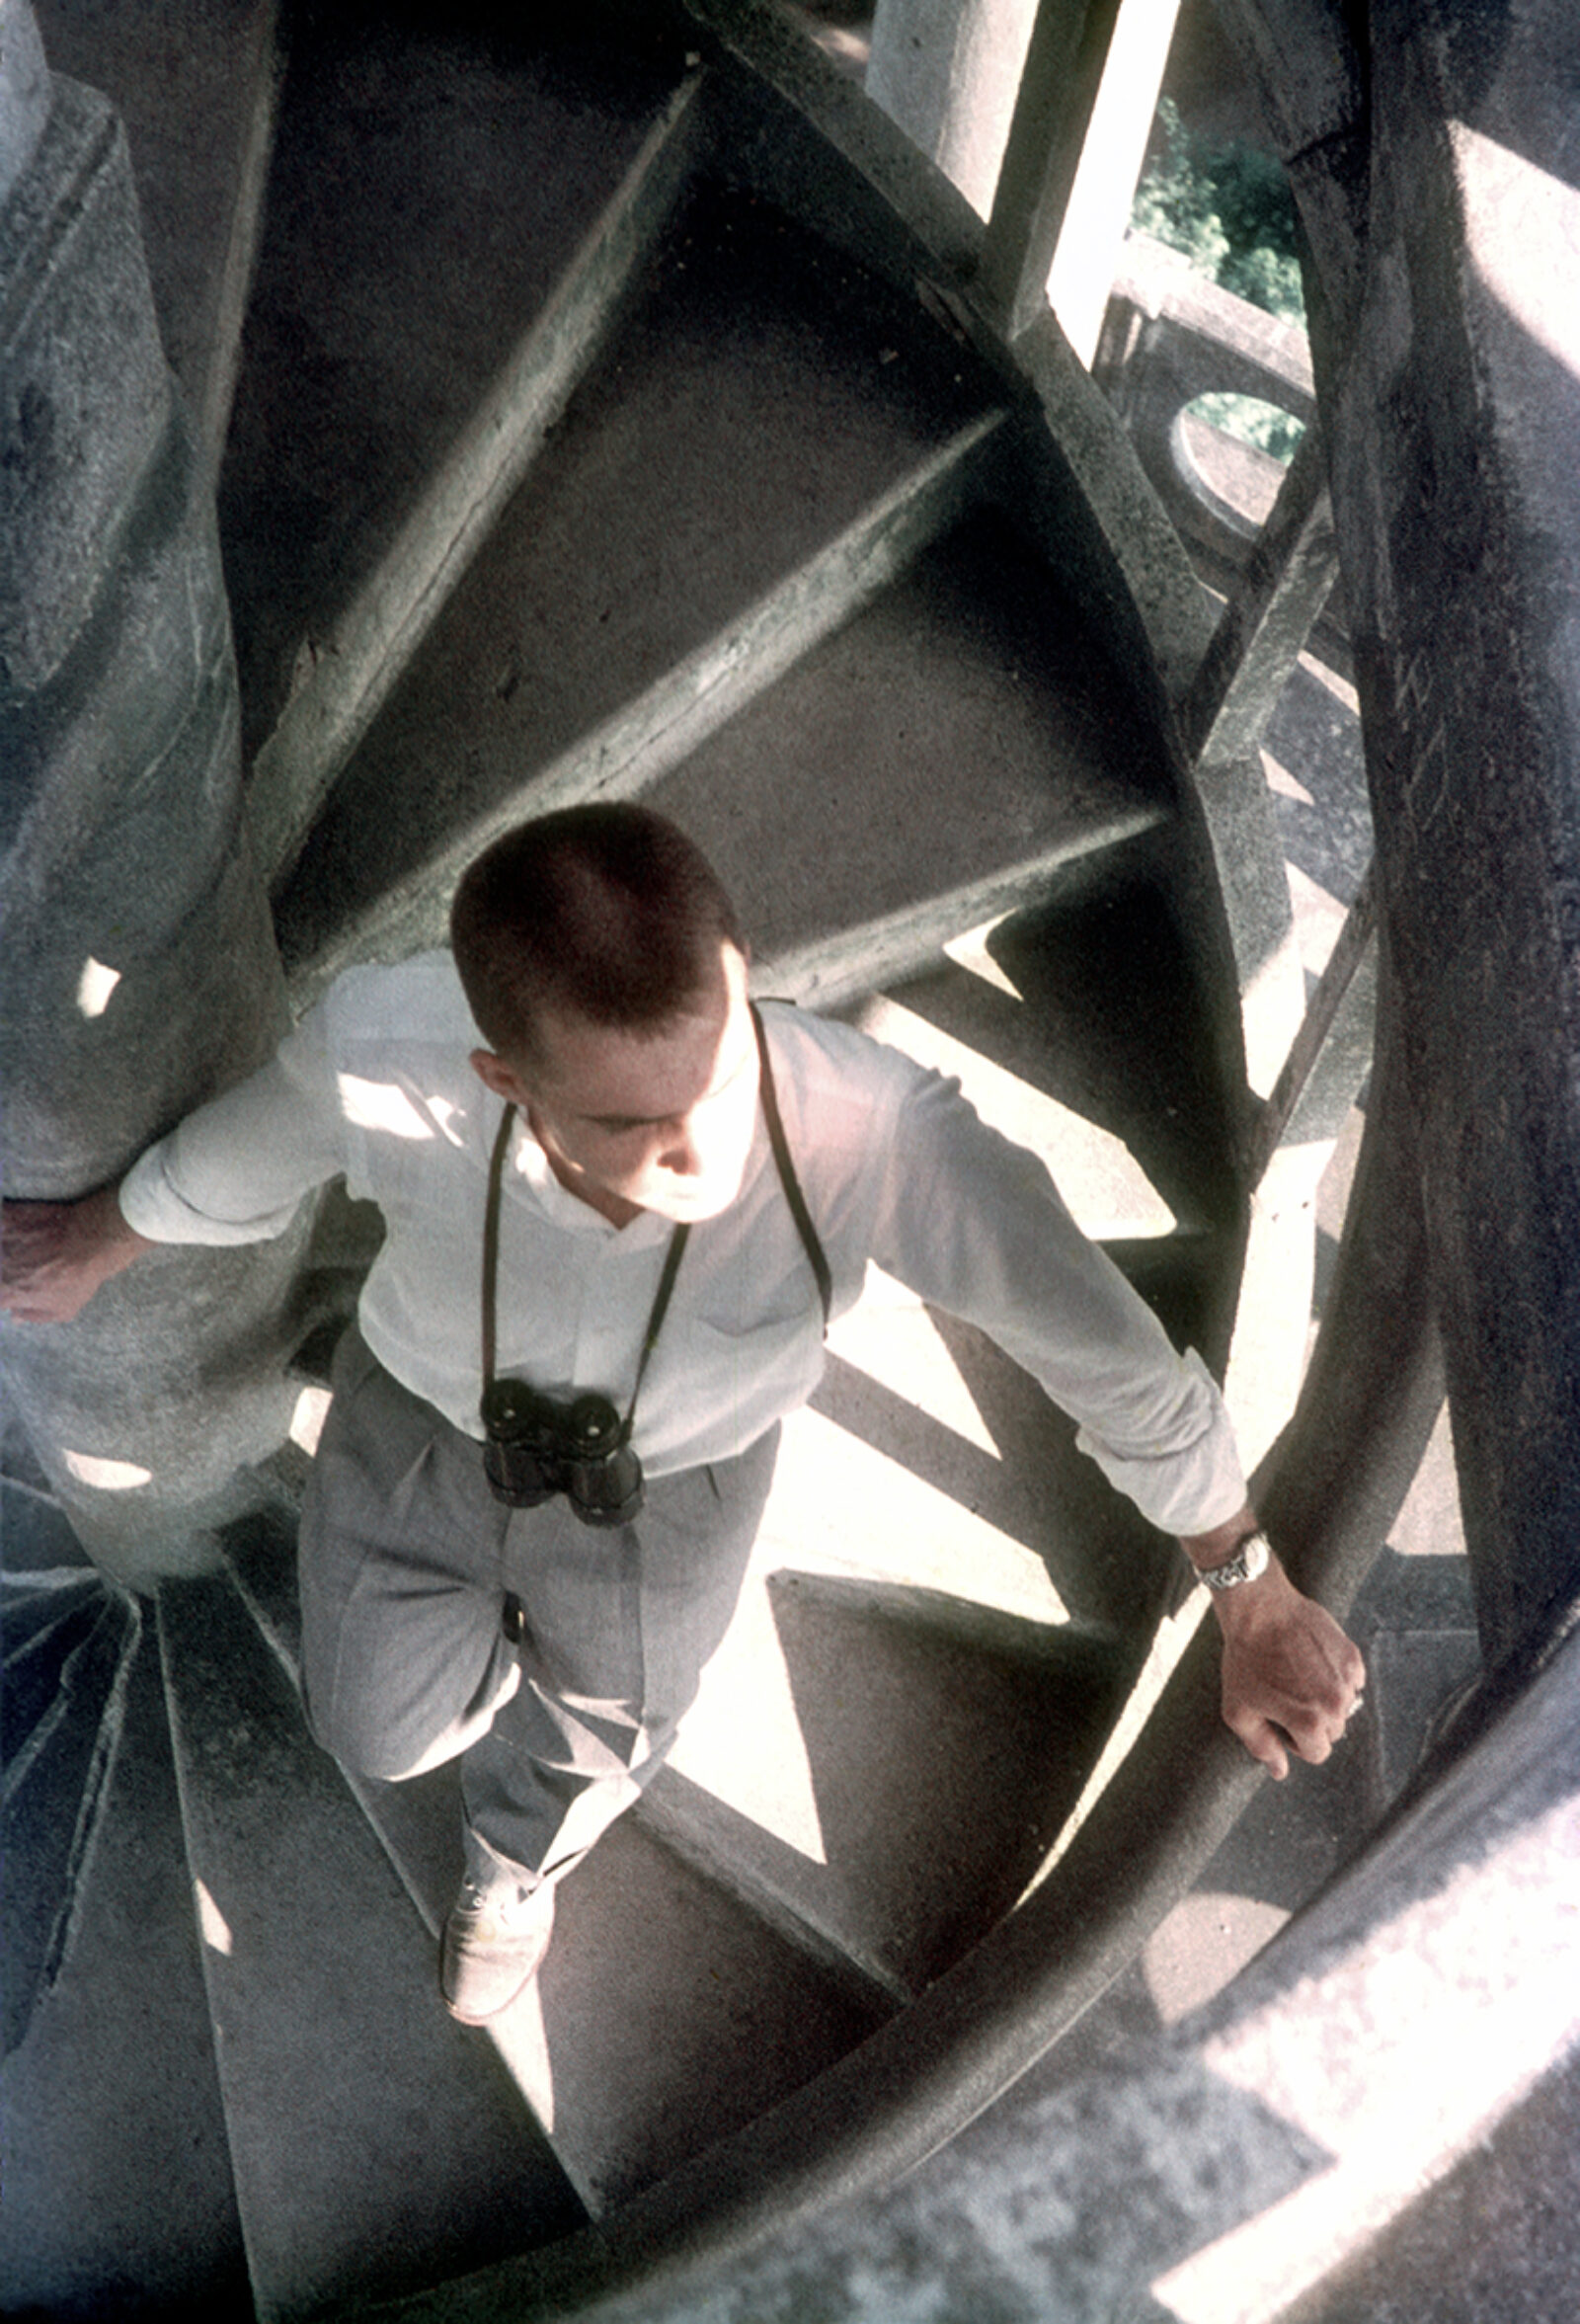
<point>236,1169</point>
<point>975,1224</point>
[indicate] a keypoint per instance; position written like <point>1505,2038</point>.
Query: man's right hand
<point>53,1256</point>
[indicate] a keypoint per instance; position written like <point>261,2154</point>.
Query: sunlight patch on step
<point>741,1740</point>
<point>839,1506</point>
<point>1206,1939</point>
<point>1318,918</point>
<point>213,1922</point>
<point>108,1475</point>
<point>890,1335</point>
<point>971,953</point>
<point>307,1421</point>
<point>1280,780</point>
<point>523,2043</point>
<point>1339,687</point>
<point>1098,1176</point>
<point>95,987</point>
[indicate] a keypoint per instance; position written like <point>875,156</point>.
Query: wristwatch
<point>1249,1561</point>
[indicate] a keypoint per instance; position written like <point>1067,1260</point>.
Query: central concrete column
<point>1456,492</point>
<point>140,967</point>
<point>948,72</point>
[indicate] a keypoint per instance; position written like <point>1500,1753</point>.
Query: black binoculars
<point>536,1448</point>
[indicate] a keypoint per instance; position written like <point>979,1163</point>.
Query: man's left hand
<point>1291,1677</point>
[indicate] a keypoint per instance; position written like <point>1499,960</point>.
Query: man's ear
<point>496,1075</point>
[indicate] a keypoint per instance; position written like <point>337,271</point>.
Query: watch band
<point>1249,1560</point>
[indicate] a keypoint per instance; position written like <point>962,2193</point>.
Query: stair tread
<point>667,2014</point>
<point>119,2194</point>
<point>1087,999</point>
<point>33,1672</point>
<point>35,1534</point>
<point>332,2044</point>
<point>52,1803</point>
<point>755,361</point>
<point>928,1457</point>
<point>260,1550</point>
<point>904,1766</point>
<point>28,1614</point>
<point>425,197</point>
<point>962,724</point>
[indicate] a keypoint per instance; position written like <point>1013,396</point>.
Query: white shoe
<point>493,1946</point>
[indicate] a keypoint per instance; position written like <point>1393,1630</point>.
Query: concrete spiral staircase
<point>598,421</point>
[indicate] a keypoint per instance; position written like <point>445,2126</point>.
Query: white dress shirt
<point>895,1166</point>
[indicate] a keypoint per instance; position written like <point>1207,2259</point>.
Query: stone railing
<point>1168,338</point>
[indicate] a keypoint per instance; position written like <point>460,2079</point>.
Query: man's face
<point>657,1121</point>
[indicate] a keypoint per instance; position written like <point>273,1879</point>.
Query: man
<point>629,1209</point>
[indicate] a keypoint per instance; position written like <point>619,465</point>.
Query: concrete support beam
<point>1302,57</point>
<point>1288,580</point>
<point>1456,497</point>
<point>1041,119</point>
<point>1091,237</point>
<point>141,972</point>
<point>1053,111</point>
<point>1328,1060</point>
<point>1254,649</point>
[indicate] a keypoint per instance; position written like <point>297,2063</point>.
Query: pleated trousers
<point>406,1561</point>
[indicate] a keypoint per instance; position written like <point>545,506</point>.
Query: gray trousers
<point>406,1558</point>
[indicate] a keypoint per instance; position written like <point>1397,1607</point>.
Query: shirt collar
<point>532,1180</point>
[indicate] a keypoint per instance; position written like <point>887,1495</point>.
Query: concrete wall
<point>140,967</point>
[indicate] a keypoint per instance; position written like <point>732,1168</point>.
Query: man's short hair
<point>606,911</point>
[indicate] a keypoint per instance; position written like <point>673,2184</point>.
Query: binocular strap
<point>779,1144</point>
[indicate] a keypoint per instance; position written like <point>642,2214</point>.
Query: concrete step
<point>351,669</point>
<point>36,1540</point>
<point>927,768</point>
<point>670,2011</point>
<point>1086,1008</point>
<point>927,1458</point>
<point>51,1800</point>
<point>260,1550</point>
<point>978,1491</point>
<point>739,424</point>
<point>427,195</point>
<point>194,87</point>
<point>1415,1622</point>
<point>119,2198</point>
<point>353,2101</point>
<point>932,1751</point>
<point>33,1603</point>
<point>40,1639</point>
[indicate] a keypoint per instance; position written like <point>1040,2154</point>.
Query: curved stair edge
<point>1141,557</point>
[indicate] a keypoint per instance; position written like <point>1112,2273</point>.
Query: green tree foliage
<point>1227,207</point>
